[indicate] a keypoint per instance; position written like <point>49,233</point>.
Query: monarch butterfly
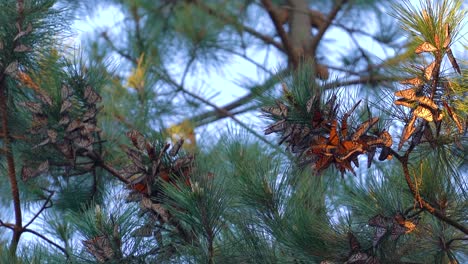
<point>66,92</point>
<point>35,108</point>
<point>138,140</point>
<point>91,96</point>
<point>100,248</point>
<point>425,47</point>
<point>423,112</point>
<point>175,149</point>
<point>65,106</point>
<point>427,102</point>
<point>139,187</point>
<point>454,116</point>
<point>362,129</point>
<point>407,93</point>
<point>429,70</point>
<point>448,38</point>
<point>414,81</point>
<point>407,131</point>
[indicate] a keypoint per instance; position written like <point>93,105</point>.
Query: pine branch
<point>423,203</point>
<point>18,228</point>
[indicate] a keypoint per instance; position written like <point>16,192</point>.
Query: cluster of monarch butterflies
<point>325,140</point>
<point>150,164</point>
<point>73,134</point>
<point>100,247</point>
<point>395,226</point>
<point>357,254</point>
<point>12,68</point>
<point>425,103</point>
<point>105,247</point>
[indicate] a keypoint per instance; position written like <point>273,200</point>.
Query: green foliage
<point>96,178</point>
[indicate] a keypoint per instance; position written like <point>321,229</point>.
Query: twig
<point>325,25</point>
<point>7,225</point>
<point>113,171</point>
<point>251,31</point>
<point>227,114</point>
<point>43,207</point>
<point>113,47</point>
<point>244,99</point>
<point>48,241</point>
<point>282,33</point>
<point>243,56</point>
<point>361,80</point>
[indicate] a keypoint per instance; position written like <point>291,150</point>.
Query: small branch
<point>44,206</point>
<point>251,31</point>
<point>113,47</point>
<point>114,172</point>
<point>186,70</point>
<point>362,80</point>
<point>245,57</point>
<point>48,241</point>
<point>254,92</point>
<point>7,225</point>
<point>455,239</point>
<point>280,30</point>
<point>227,114</point>
<point>136,17</point>
<point>325,25</point>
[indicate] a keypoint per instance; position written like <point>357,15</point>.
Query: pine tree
<point>97,172</point>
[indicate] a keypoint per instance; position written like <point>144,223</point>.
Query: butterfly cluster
<point>357,254</point>
<point>149,164</point>
<point>426,100</point>
<point>105,247</point>
<point>394,226</point>
<point>68,125</point>
<point>327,139</point>
<point>100,247</point>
